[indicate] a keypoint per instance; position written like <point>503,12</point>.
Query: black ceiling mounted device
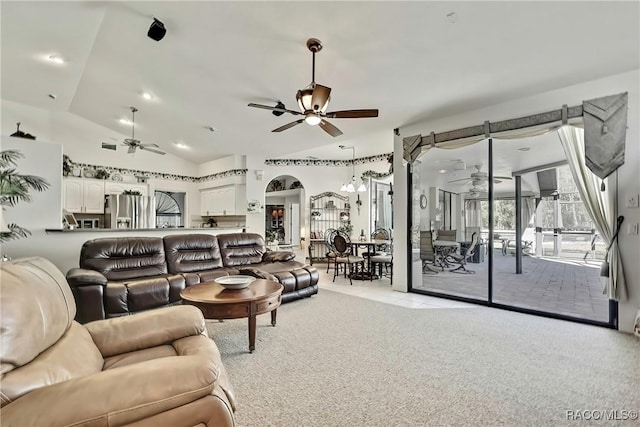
<point>132,142</point>
<point>19,134</point>
<point>313,102</point>
<point>156,30</point>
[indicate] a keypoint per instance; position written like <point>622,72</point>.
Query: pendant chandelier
<point>354,184</point>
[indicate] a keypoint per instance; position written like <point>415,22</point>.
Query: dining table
<point>370,248</point>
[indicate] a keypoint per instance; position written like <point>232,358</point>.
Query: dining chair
<point>383,262</point>
<point>342,247</point>
<point>379,234</point>
<point>328,241</point>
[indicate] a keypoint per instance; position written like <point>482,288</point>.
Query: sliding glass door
<point>500,222</point>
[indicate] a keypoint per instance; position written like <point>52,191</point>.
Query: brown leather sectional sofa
<point>121,276</point>
<point>157,368</point>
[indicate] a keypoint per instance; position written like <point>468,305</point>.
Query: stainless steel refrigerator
<point>125,211</point>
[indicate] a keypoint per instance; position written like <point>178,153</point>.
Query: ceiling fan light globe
<point>304,99</point>
<point>362,188</point>
<point>312,119</point>
<point>344,187</point>
<point>350,188</point>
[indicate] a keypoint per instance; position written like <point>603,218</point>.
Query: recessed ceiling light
<point>211,128</point>
<point>126,122</point>
<point>181,145</point>
<point>52,96</point>
<point>442,171</point>
<point>56,59</point>
<point>146,95</point>
<point>524,149</point>
<point>453,17</point>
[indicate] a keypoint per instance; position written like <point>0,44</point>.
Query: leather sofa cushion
<point>131,296</point>
<point>121,259</point>
<point>34,297</point>
<point>192,252</point>
<point>73,356</point>
<point>241,248</point>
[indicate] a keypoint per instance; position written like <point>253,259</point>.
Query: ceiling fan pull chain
<point>313,69</point>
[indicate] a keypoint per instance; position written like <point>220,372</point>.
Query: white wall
<point>44,160</point>
<point>628,177</point>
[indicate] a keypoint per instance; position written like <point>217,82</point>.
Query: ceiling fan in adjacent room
<point>132,142</point>
<point>314,101</point>
<point>479,178</point>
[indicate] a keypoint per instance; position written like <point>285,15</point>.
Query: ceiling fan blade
<point>502,177</point>
<point>284,110</point>
<point>329,128</point>
<point>143,147</point>
<point>149,145</point>
<point>288,125</point>
<point>352,114</point>
<point>320,97</point>
<point>461,180</point>
<point>107,146</point>
<point>132,149</point>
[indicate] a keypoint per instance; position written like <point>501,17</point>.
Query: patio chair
<point>464,259</point>
<point>448,235</point>
<point>342,248</point>
<point>528,238</point>
<point>427,254</point>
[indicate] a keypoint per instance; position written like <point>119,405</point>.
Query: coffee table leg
<point>273,317</point>
<point>252,333</point>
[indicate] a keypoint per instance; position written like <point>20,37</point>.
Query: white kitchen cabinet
<point>111,187</point>
<point>221,201</point>
<point>84,195</point>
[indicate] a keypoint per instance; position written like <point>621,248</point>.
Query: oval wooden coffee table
<point>216,302</point>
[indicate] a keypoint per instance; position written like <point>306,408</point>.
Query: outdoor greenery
<point>573,216</point>
<point>14,188</point>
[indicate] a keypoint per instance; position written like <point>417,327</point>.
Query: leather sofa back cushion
<point>34,297</point>
<point>192,252</point>
<point>75,355</point>
<point>241,248</point>
<point>122,259</point>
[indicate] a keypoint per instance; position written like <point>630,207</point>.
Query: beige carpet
<point>339,360</point>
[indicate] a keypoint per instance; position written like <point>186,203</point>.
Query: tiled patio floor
<point>563,286</point>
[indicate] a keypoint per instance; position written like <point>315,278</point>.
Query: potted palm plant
<point>15,188</point>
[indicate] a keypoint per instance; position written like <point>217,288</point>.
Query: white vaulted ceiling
<point>408,59</point>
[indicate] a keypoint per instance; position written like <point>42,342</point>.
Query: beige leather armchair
<point>156,368</point>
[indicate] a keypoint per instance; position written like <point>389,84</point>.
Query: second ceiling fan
<point>314,101</point>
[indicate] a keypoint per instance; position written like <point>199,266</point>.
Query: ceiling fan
<point>313,102</point>
<point>478,178</point>
<point>132,142</point>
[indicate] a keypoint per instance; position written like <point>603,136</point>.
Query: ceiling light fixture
<point>181,145</point>
<point>442,171</point>
<point>126,122</point>
<point>56,59</point>
<point>146,95</point>
<point>353,185</point>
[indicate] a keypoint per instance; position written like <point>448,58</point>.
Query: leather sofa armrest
<point>146,329</point>
<point>117,396</point>
<point>83,277</point>
<point>277,256</point>
<point>255,272</point>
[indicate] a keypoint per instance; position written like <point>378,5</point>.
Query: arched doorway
<point>284,212</point>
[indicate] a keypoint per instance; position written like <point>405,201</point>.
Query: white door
<point>294,223</point>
